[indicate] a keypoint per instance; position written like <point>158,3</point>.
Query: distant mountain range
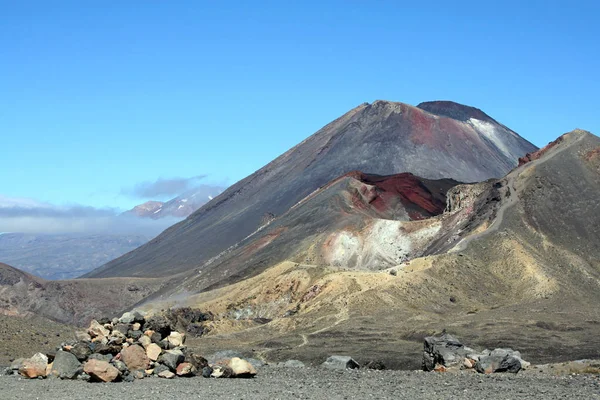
<point>180,207</point>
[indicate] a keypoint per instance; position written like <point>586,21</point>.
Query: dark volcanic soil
<point>317,383</point>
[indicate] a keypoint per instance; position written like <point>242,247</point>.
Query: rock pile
<point>128,348</point>
<point>445,352</point>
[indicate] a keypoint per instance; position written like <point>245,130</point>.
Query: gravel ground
<point>316,383</point>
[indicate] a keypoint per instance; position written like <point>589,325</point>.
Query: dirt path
<point>510,201</point>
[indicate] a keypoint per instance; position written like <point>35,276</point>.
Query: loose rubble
<point>132,347</point>
<point>446,353</point>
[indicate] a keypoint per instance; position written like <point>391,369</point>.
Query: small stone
<point>341,362</point>
<point>375,365</point>
<point>138,374</point>
<point>120,365</point>
<point>185,369</point>
<point>100,370</point>
<point>144,341</point>
<point>166,374</point>
<point>121,328</point>
<point>134,334</point>
<point>241,368</point>
<point>81,350</point>
<point>97,330</point>
<point>136,326</point>
<point>439,368</point>
<point>220,371</point>
<point>176,339</point>
<point>35,366</point>
<point>196,360</point>
<point>207,372</point>
<point>172,358</point>
<point>153,351</point>
<point>82,336</point>
<point>127,318</point>
<point>467,363</point>
<point>135,357</point>
<point>66,366</point>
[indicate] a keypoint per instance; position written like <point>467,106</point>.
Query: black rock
<point>102,357</point>
<point>123,328</point>
<point>159,324</point>
<point>135,334</point>
<point>172,358</point>
<point>66,366</point>
<point>160,368</point>
<point>197,361</point>
<point>376,365</point>
<point>444,350</point>
<point>51,354</point>
<point>156,337</point>
<point>104,320</point>
<point>206,371</point>
<point>81,350</point>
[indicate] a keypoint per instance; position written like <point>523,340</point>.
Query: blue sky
<point>97,97</point>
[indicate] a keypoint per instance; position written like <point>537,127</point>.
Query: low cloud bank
<point>30,216</point>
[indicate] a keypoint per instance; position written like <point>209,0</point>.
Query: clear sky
<point>97,97</point>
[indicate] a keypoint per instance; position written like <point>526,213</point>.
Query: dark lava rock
<point>155,337</point>
<point>101,357</point>
<point>376,365</point>
<point>66,366</point>
<point>135,334</point>
<point>444,350</point>
<point>81,350</point>
<point>104,320</point>
<point>123,328</point>
<point>159,324</point>
<point>197,329</point>
<point>107,349</point>
<point>197,361</point>
<point>340,362</point>
<point>207,371</point>
<point>160,368</point>
<point>172,358</point>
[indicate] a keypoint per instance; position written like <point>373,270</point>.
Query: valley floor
<point>316,383</point>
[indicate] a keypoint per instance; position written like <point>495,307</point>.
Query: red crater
<point>421,198</point>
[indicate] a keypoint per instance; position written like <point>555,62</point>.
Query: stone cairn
<point>128,348</point>
<point>446,353</point>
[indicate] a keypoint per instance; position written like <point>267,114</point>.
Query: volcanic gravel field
<point>317,383</point>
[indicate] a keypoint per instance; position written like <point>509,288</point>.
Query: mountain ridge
<point>381,138</point>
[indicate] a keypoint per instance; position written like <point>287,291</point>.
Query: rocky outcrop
<point>105,354</point>
<point>340,362</point>
<point>444,353</point>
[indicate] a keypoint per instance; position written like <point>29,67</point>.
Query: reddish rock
<point>100,370</point>
<point>135,358</point>
<point>35,366</point>
<point>185,369</point>
<point>440,368</point>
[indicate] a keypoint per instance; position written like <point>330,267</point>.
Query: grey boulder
<point>66,366</point>
<point>340,362</point>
